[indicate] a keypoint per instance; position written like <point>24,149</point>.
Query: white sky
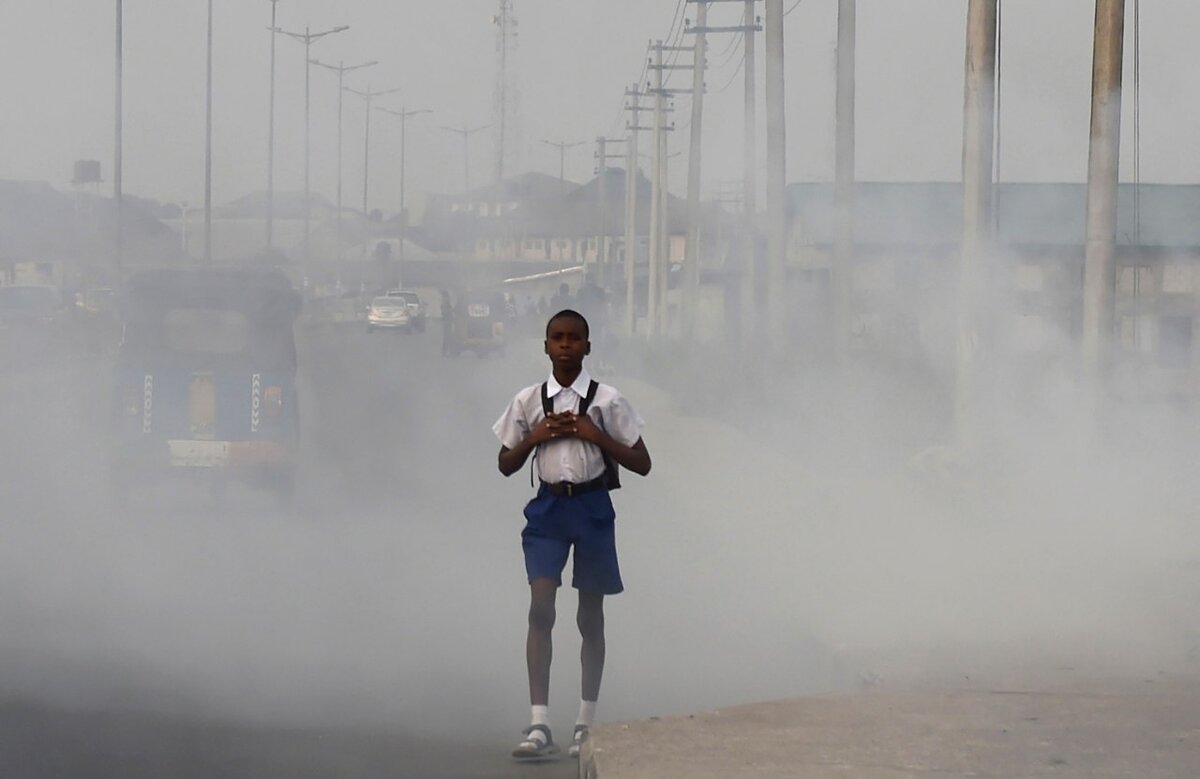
<point>575,58</point>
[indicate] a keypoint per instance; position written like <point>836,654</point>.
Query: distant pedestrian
<point>582,432</point>
<point>447,314</point>
<point>562,298</point>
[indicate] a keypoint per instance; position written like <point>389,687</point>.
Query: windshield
<point>389,302</point>
<point>407,297</point>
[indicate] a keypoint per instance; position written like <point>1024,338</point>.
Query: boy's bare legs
<point>538,643</point>
<point>590,619</point>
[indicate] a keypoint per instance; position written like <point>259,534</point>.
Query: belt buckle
<point>570,490</point>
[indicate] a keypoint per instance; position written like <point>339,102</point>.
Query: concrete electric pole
<point>978,161</point>
<point>842,270</point>
<point>1103,166</point>
<point>776,174</point>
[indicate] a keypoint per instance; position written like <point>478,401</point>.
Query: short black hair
<point>569,313</point>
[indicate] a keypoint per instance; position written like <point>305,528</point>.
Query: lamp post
<point>271,137</point>
<point>341,69</point>
<point>208,143</point>
<point>466,133</point>
<point>403,114</point>
<point>118,249</point>
<point>562,159</point>
<point>368,95</point>
<point>307,37</point>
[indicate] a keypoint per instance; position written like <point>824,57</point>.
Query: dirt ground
<point>1064,727</point>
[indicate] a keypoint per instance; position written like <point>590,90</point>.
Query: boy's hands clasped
<point>567,424</point>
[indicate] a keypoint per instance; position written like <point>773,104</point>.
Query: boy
<point>577,459</point>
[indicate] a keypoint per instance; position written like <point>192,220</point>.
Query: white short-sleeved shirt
<point>569,459</point>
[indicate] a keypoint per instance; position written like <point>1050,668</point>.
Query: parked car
<point>388,312</point>
<point>416,308</point>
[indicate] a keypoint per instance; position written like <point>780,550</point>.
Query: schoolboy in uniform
<point>581,432</point>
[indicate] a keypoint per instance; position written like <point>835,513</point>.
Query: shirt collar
<point>580,385</point>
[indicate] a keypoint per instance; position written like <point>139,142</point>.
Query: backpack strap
<point>612,472</point>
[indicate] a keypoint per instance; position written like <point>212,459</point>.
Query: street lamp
<point>562,159</point>
<point>208,142</point>
<point>341,69</point>
<point>271,137</point>
<point>466,133</point>
<point>307,37</point>
<point>368,95</point>
<point>403,114</point>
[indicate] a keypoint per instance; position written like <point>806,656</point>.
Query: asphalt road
<point>375,630</point>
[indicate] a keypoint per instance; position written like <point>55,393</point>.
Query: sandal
<point>532,748</point>
<point>581,735</point>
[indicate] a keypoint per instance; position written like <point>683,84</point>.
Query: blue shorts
<point>553,524</point>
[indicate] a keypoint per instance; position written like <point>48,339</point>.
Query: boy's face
<point>566,343</point>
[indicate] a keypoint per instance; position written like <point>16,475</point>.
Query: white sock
<point>587,713</point>
<point>541,716</point>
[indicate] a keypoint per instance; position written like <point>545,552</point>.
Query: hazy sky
<point>575,57</point>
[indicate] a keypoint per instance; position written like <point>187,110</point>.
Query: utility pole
<point>692,241</point>
<point>404,113</point>
<point>562,160</point>
<point>466,132</point>
<point>602,253</point>
<point>631,197</point>
<point>978,161</point>
<point>656,197</point>
<point>307,37</point>
<point>660,240</point>
<point>749,296</point>
<point>118,118</point>
<point>1103,164</point>
<point>842,270</point>
<point>776,174</point>
<point>208,142</point>
<point>271,137</point>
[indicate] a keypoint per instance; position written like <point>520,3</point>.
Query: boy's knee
<point>541,616</point>
<point>590,623</point>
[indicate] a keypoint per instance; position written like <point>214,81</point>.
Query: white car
<point>388,312</point>
<point>416,308</point>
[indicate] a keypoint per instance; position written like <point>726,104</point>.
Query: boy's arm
<point>635,458</point>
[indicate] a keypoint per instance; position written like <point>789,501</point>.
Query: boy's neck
<point>566,376</point>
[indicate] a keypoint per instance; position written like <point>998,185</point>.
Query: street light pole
<point>562,160</point>
<point>403,113</point>
<point>208,143</point>
<point>271,138</point>
<point>117,145</point>
<point>307,37</point>
<point>466,133</point>
<point>341,69</point>
<point>368,95</point>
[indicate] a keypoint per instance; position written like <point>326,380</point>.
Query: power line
<point>795,5</point>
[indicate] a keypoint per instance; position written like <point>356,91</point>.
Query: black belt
<point>571,489</point>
